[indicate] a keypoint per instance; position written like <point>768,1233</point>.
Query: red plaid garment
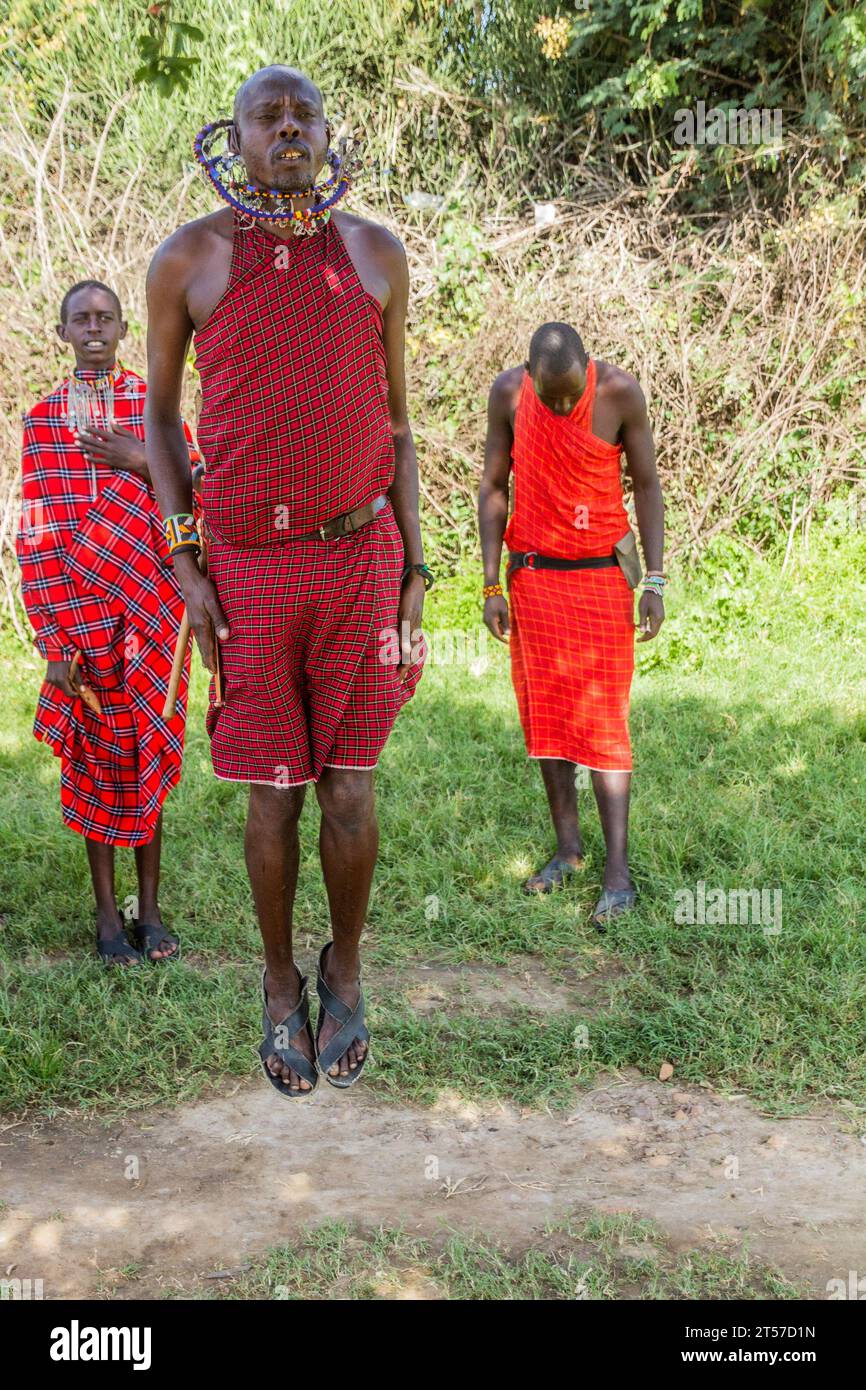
<point>309,672</point>
<point>294,421</point>
<point>572,631</point>
<point>96,580</point>
<point>296,429</point>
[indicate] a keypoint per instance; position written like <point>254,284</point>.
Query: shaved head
<point>555,348</point>
<point>276,75</point>
<point>279,129</point>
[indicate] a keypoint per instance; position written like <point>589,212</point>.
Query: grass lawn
<point>749,731</point>
<point>610,1257</point>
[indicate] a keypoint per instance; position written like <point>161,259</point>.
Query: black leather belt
<point>531,560</point>
<point>346,523</point>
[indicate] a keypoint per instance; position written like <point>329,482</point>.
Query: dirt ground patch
<point>189,1193</point>
<point>524,983</point>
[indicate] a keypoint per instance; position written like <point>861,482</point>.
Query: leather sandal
<point>149,937</point>
<point>112,949</point>
<point>276,1042</point>
<point>553,875</point>
<point>612,903</point>
<point>351,1021</point>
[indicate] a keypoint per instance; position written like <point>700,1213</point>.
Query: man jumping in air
<point>297,311</point>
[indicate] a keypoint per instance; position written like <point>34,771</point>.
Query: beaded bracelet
<point>491,590</point>
<point>181,533</point>
<point>655,585</point>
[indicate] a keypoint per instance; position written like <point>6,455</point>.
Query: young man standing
<point>106,609</point>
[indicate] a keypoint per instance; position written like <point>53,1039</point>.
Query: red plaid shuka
<point>96,580</point>
<point>294,421</point>
<point>296,429</point>
<point>572,631</point>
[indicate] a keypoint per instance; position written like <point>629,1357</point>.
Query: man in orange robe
<point>563,421</point>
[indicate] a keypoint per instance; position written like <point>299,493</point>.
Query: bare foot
<point>618,879</point>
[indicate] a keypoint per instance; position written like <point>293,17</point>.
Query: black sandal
<point>351,1021</point>
<point>110,949</point>
<point>293,1023</point>
<point>148,937</point>
<point>612,903</point>
<point>553,875</point>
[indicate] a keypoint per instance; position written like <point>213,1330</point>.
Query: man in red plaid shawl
<point>106,609</point>
<point>314,546</point>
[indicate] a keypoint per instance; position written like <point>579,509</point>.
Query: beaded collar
<point>227,176</point>
<point>97,376</point>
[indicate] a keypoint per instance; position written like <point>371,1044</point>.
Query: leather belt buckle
<point>529,559</point>
<point>345,525</point>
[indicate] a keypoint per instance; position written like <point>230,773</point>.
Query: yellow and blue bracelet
<point>181,534</point>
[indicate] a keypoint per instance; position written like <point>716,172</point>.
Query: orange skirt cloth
<point>572,631</point>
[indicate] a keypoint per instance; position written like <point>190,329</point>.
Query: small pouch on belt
<point>628,559</point>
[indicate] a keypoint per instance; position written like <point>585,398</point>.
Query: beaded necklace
<point>227,174</point>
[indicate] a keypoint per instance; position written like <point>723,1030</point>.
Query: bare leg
<point>272,853</point>
<point>147,861</point>
<point>612,795</point>
<point>348,845</point>
<point>108,919</point>
<point>101,860</point>
<point>558,776</point>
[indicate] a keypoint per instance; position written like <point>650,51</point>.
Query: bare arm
<point>493,501</point>
<point>649,506</point>
<point>403,491</point>
<point>168,335</point>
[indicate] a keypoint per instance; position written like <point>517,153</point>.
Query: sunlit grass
<point>750,756</point>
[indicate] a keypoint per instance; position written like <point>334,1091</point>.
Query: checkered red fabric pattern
<point>96,580</point>
<point>294,421</point>
<point>296,432</point>
<point>307,679</point>
<point>572,660</point>
<point>568,497</point>
<point>572,631</point>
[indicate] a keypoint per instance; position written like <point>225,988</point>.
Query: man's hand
<point>496,617</point>
<point>61,675</point>
<point>116,447</point>
<point>203,607</point>
<point>409,618</point>
<point>651,615</point>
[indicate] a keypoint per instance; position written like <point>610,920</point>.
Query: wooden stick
<point>88,694</point>
<point>169,709</point>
